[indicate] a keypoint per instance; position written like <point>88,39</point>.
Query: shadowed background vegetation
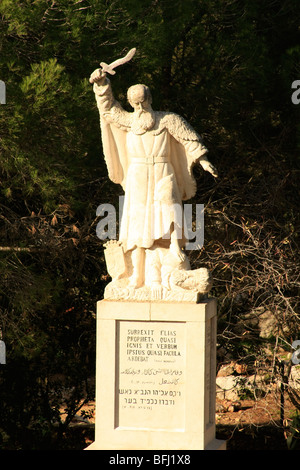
<point>227,67</point>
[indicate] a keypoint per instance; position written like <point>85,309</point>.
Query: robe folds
<point>153,167</point>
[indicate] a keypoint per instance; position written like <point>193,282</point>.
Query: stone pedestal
<point>155,376</point>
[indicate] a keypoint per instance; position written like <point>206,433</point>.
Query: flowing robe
<point>153,167</point>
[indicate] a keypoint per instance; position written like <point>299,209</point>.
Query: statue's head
<point>139,95</point>
<point>140,99</point>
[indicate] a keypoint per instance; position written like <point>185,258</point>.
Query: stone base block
<point>156,376</point>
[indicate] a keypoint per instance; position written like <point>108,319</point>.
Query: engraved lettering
<point>157,382</point>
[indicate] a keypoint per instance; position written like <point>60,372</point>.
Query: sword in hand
<point>98,74</point>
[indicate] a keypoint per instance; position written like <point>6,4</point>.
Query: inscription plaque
<point>150,385</point>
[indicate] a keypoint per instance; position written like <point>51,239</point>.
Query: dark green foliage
<point>227,67</point>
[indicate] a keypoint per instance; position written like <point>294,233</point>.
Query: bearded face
<point>139,97</point>
<point>143,120</point>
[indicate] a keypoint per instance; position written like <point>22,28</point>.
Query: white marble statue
<point>151,155</point>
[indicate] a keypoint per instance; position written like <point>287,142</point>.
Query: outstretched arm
<point>207,166</point>
<point>198,152</point>
<point>183,132</point>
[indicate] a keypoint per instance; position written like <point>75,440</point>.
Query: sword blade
<point>120,61</point>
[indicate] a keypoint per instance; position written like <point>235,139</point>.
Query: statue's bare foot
<point>156,291</point>
<point>134,282</point>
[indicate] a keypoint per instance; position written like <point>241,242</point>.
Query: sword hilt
<point>106,68</point>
